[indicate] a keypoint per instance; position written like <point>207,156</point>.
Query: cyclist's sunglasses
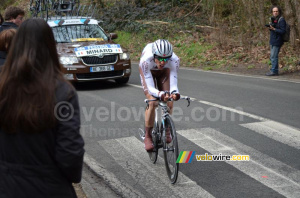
<point>160,59</point>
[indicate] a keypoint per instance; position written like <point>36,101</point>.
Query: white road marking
<point>222,107</point>
<point>281,177</point>
<point>247,76</point>
<point>268,122</point>
<point>277,131</point>
<point>239,75</point>
<point>233,110</point>
<point>114,183</point>
<point>130,154</point>
<point>237,110</point>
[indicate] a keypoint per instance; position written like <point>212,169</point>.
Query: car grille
<point>94,60</point>
<point>99,75</point>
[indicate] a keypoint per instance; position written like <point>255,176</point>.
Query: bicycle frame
<point>165,111</point>
<point>159,121</point>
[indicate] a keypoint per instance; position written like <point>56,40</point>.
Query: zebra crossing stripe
<point>279,174</point>
<point>110,178</point>
<point>130,154</point>
<point>277,131</point>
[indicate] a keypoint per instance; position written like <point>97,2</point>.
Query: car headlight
<point>124,56</point>
<point>68,60</point>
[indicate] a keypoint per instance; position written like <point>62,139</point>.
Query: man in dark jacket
<point>277,30</point>
<point>13,17</point>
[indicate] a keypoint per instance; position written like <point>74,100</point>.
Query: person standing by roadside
<point>13,17</point>
<point>277,30</point>
<point>6,37</point>
<point>41,149</point>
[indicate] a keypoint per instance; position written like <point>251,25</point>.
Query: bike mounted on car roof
<point>49,9</point>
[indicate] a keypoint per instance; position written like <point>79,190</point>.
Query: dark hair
<point>6,37</point>
<point>1,19</point>
<point>13,12</point>
<point>29,79</point>
<point>275,6</point>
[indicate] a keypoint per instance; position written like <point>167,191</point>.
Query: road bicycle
<point>39,8</point>
<point>162,123</point>
<point>42,8</point>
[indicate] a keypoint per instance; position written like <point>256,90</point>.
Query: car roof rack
<point>58,9</point>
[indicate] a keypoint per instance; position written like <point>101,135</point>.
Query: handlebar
<point>170,99</point>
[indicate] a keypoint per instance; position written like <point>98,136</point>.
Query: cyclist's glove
<point>162,95</point>
<point>176,96</point>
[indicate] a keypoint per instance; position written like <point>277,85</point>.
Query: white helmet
<point>162,48</point>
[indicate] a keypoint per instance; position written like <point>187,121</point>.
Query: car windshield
<point>69,33</point>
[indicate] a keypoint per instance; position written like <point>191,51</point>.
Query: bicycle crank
<point>142,133</point>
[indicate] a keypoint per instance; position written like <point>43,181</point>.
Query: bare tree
<point>261,13</point>
<point>290,18</point>
<point>297,15</point>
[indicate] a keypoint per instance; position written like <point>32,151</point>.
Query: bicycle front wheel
<point>170,150</point>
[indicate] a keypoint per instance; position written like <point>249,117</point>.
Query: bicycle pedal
<point>142,133</point>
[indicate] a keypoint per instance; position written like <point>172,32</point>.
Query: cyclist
<point>158,72</point>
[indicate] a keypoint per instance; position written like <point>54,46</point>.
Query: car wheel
<point>122,80</point>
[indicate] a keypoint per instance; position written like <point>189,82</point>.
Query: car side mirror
<point>113,36</point>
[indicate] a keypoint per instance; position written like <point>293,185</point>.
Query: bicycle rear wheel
<point>171,150</point>
<point>44,9</point>
<point>154,153</point>
<point>34,7</point>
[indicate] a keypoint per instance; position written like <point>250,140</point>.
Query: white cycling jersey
<point>147,64</point>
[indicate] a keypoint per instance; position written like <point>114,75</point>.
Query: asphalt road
<point>230,115</point>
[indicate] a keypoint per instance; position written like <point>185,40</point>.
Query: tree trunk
<point>261,15</point>
<point>297,14</point>
<point>290,19</point>
<point>248,9</point>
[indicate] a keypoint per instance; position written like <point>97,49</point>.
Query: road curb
<point>87,189</point>
<point>121,189</point>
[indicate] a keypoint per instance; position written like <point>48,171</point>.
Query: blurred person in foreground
<point>6,37</point>
<point>13,17</point>
<point>41,149</point>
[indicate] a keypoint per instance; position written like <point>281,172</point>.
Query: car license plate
<point>102,68</point>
